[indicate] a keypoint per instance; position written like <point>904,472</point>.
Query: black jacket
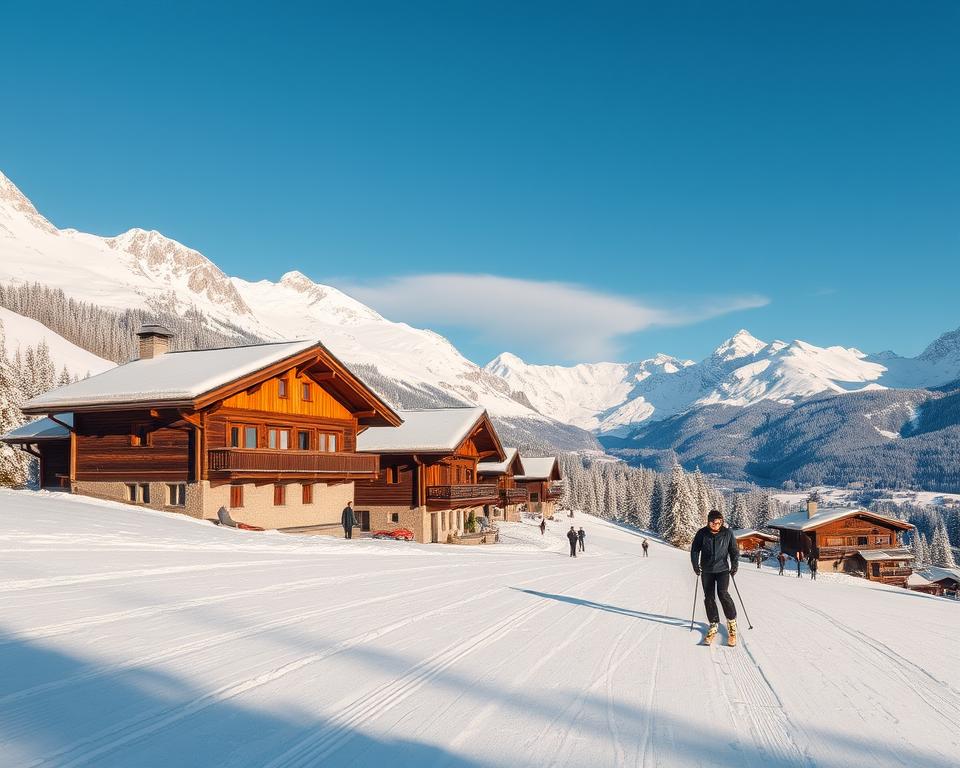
<point>347,519</point>
<point>710,551</point>
<point>581,534</point>
<point>572,535</point>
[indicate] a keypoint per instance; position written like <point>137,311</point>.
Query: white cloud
<point>567,321</point>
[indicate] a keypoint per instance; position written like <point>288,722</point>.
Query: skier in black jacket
<point>580,534</point>
<point>573,539</point>
<point>715,557</point>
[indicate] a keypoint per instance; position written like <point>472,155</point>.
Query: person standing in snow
<point>573,539</point>
<point>347,520</point>
<point>782,559</point>
<point>580,534</point>
<point>812,562</point>
<point>543,525</point>
<point>715,557</point>
<point>646,546</point>
<point>758,558</point>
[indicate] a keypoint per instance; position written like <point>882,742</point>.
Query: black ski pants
<point>348,531</point>
<point>721,583</point>
<point>573,548</point>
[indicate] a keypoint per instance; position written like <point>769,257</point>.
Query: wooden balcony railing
<point>246,461</point>
<point>514,495</point>
<point>462,494</point>
<point>897,572</point>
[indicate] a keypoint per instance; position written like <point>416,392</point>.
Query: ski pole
<point>745,614</point>
<point>696,586</point>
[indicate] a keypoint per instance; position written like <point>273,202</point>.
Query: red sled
<point>398,534</point>
<point>245,527</point>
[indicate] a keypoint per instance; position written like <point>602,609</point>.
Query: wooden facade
<point>510,495</point>
<point>294,422</point>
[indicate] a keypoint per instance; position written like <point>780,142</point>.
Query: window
<point>145,493</point>
<point>876,569</point>
<point>234,437</point>
<point>469,475</point>
<point>392,475</point>
<point>278,437</point>
<point>132,493</point>
<point>303,440</point>
<point>308,493</point>
<point>279,495</point>
<point>881,540</point>
<point>249,437</point>
<point>327,442</point>
<point>306,391</point>
<point>862,541</point>
<point>236,496</point>
<point>281,388</point>
<point>140,436</point>
<point>394,517</point>
<point>177,494</point>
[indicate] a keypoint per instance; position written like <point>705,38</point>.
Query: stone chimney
<point>154,340</point>
<point>812,500</point>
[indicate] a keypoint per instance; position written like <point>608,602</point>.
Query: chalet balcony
<point>462,495</point>
<point>554,491</point>
<point>240,462</point>
<point>514,496</point>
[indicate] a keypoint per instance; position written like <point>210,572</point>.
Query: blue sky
<point>675,170</point>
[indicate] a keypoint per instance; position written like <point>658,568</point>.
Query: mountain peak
<point>12,199</point>
<point>741,344</point>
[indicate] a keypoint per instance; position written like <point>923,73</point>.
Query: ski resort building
<point>942,582</point>
<point>541,479</point>
<point>852,540</point>
<point>504,474</point>
<point>429,481</point>
<point>750,540</point>
<point>267,430</point>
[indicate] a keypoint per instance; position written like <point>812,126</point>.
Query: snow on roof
<point>537,467</point>
<point>798,521</point>
<point>40,429</point>
<point>171,376</point>
<point>498,467</point>
<point>742,533</point>
<point>433,430</point>
<point>936,573</point>
<point>885,554</point>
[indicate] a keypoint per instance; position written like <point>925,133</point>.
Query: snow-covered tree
<point>940,552</point>
<point>684,519</point>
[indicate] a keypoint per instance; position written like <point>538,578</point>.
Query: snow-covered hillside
<point>21,332</point>
<point>141,269</point>
<point>132,637</point>
<point>743,370</point>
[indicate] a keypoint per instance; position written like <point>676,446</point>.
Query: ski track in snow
<point>297,652</point>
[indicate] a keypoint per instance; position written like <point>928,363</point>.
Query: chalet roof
<point>183,377</point>
<point>873,555</point>
<point>540,468</point>
<point>430,430</point>
<point>500,467</point>
<point>39,430</point>
<point>742,533</point>
<point>798,521</point>
<point>935,573</point>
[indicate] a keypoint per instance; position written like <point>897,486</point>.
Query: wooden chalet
<point>852,540</point>
<point>541,478</point>
<point>429,481</point>
<point>504,474</point>
<point>267,430</point>
<point>942,582</point>
<point>750,540</point>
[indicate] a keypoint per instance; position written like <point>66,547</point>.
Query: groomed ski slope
<point>135,638</point>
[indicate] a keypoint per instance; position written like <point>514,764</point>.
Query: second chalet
<point>267,430</point>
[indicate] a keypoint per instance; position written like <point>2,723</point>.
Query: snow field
<point>130,637</point>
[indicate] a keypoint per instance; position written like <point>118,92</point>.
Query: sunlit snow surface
<point>136,638</point>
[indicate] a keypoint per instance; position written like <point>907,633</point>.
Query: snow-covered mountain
<point>611,398</point>
<point>145,269</point>
<point>19,333</point>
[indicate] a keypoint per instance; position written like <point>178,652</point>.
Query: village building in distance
<point>429,481</point>
<point>267,430</point>
<point>504,474</point>
<point>750,540</point>
<point>541,479</point>
<point>848,540</point>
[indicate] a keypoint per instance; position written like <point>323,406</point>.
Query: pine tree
<point>738,517</point>
<point>940,552</point>
<point>683,517</point>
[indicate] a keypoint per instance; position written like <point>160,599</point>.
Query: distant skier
<point>543,525</point>
<point>347,520</point>
<point>715,557</point>
<point>646,546</point>
<point>758,558</point>
<point>782,559</point>
<point>573,539</point>
<point>580,534</point>
<point>813,562</point>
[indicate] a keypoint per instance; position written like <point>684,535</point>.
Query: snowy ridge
<point>145,269</point>
<point>610,398</point>
<point>21,332</point>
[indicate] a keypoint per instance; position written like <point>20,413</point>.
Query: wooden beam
<point>324,376</point>
<point>63,424</point>
<point>364,414</point>
<point>190,418</point>
<point>307,364</point>
<point>250,391</point>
